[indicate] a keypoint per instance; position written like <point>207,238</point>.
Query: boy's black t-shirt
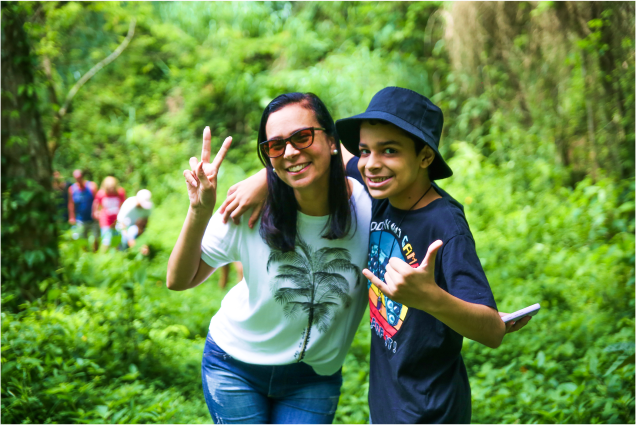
<point>417,374</point>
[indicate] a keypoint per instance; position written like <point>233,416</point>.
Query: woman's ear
<point>332,144</point>
<point>427,156</point>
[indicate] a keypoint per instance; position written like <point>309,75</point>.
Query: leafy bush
<point>572,250</point>
<point>100,350</point>
<point>61,366</point>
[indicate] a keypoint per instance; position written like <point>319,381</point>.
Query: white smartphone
<point>528,311</point>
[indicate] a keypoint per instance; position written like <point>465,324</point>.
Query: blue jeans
<point>110,236</point>
<point>238,392</point>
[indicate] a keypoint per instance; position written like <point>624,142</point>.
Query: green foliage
<point>217,64</point>
<point>26,259</point>
<point>553,223</point>
<point>572,250</point>
<point>564,67</point>
<point>29,236</point>
<point>103,347</point>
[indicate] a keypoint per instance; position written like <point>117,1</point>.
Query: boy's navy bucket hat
<point>408,110</point>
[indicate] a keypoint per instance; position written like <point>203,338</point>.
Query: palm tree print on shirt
<point>309,282</point>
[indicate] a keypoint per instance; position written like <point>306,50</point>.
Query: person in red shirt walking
<point>106,206</point>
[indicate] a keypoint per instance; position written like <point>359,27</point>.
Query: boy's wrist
<point>262,178</point>
<point>434,301</point>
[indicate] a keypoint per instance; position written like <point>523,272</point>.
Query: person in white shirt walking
<point>133,217</point>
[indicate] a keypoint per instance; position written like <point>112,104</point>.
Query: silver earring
<point>274,170</point>
<point>334,152</point>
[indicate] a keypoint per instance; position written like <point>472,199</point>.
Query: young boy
<point>427,289</point>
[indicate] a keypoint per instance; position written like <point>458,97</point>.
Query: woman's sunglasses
<point>300,139</point>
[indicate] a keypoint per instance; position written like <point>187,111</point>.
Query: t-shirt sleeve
<point>352,170</point>
<point>220,242</point>
<point>463,273</point>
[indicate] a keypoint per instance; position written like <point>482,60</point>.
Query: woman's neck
<point>314,200</point>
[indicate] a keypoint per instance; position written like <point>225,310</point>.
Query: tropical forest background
<point>538,99</point>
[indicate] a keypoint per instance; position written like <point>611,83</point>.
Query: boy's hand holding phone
<point>515,326</point>
<point>518,319</point>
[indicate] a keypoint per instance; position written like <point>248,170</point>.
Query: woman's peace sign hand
<point>201,178</point>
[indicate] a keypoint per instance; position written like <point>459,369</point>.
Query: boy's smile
<point>378,182</point>
<point>389,165</point>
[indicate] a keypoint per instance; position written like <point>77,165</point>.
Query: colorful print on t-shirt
<point>387,315</point>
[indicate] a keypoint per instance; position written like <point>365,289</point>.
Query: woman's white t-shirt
<point>264,319</point>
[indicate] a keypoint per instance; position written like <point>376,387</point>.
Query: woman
<point>106,206</point>
<point>275,349</point>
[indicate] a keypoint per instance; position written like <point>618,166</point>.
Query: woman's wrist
<point>200,214</point>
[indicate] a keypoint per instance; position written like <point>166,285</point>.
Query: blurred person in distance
<point>81,195</point>
<point>106,206</point>
<point>133,219</point>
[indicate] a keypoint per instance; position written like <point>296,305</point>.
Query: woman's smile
<point>306,168</point>
<point>298,168</point>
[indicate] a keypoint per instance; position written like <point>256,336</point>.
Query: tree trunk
<point>591,127</point>
<point>310,320</point>
<point>29,232</point>
<point>307,334</point>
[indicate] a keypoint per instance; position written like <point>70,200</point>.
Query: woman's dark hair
<point>278,225</point>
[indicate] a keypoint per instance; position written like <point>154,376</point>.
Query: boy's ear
<point>426,157</point>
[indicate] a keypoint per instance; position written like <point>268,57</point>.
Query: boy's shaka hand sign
<point>202,175</point>
<point>413,287</point>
